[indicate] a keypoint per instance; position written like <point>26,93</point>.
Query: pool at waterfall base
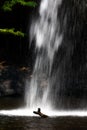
<point>16,117</point>
<point>37,123</point>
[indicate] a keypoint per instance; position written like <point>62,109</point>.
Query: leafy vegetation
<point>9,4</point>
<point>12,31</point>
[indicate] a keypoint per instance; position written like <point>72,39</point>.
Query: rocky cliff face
<point>12,80</point>
<point>70,62</point>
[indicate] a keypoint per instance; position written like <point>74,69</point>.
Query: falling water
<point>46,31</point>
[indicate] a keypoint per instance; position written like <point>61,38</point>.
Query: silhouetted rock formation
<point>40,113</point>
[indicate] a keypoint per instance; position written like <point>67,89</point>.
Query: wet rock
<point>12,81</point>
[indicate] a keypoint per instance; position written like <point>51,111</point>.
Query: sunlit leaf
<point>12,31</point>
<point>9,4</point>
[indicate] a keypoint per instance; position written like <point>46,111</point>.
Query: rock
<point>12,81</point>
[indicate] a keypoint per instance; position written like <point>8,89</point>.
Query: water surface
<point>14,122</point>
<point>37,123</point>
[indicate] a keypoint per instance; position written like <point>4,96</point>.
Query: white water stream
<point>46,33</point>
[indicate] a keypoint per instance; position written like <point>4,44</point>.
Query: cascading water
<point>46,31</point>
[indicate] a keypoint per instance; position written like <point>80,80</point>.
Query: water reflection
<point>7,103</point>
<point>36,123</point>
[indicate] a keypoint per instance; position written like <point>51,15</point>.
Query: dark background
<point>15,49</point>
<point>16,58</point>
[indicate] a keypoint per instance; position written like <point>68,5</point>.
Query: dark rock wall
<point>69,85</point>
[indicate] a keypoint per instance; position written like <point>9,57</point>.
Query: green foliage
<point>9,4</point>
<point>12,31</point>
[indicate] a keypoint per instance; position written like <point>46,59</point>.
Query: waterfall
<point>46,32</point>
<point>59,36</point>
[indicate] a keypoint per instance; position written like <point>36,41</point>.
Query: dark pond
<point>37,123</point>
